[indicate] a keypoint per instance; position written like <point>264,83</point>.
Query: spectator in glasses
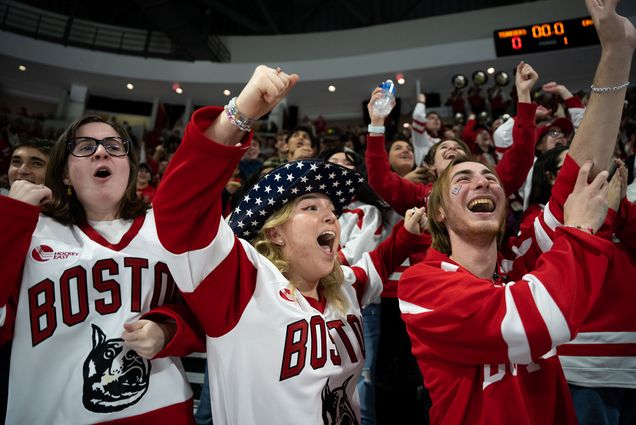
<point>88,292</point>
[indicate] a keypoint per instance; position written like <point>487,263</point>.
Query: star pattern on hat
<point>286,183</point>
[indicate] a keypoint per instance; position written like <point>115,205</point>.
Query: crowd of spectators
<point>482,124</point>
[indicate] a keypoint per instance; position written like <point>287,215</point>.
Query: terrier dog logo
<point>114,377</point>
<point>336,407</point>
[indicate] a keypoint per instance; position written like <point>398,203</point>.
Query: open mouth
<point>102,173</point>
<point>452,155</point>
<point>481,205</point>
<point>326,241</point>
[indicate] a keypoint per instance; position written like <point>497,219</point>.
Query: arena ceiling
<point>262,17</point>
<point>177,17</point>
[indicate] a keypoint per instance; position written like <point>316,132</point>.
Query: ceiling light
<point>490,70</point>
<point>176,87</point>
<point>480,78</point>
<point>399,77</point>
<point>332,88</point>
<point>459,81</point>
<point>22,68</point>
<point>227,92</point>
<point>129,86</point>
<point>502,79</point>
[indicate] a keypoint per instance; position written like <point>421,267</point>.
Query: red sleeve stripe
<point>360,283</point>
<point>420,123</point>
<point>221,298</point>
<point>535,328</point>
<point>553,318</point>
<point>514,332</point>
<point>203,261</point>
<point>624,352</point>
<point>550,311</point>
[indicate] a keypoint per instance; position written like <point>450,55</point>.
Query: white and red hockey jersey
<point>422,141</point>
<point>486,349</point>
<point>603,354</point>
<point>68,363</point>
<point>362,228</point>
<point>273,355</point>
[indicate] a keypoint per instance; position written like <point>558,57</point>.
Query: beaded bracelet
<point>236,117</point>
<point>608,89</point>
<point>376,129</point>
<point>583,228</point>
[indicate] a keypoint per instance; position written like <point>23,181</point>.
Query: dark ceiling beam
<point>184,23</point>
<point>243,20</point>
<point>268,17</point>
<point>69,23</point>
<point>354,11</point>
<point>377,11</point>
<point>309,16</point>
<point>407,12</point>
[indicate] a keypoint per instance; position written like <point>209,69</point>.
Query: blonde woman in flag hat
<point>281,315</point>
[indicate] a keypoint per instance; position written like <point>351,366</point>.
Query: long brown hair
<point>67,209</point>
<point>438,200</point>
<point>329,285</point>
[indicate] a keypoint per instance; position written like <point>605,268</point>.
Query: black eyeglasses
<point>86,146</point>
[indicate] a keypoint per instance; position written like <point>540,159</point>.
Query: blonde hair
<point>329,285</point>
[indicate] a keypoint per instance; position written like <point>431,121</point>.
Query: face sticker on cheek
<point>456,190</point>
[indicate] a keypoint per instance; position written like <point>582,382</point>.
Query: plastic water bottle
<point>383,105</point>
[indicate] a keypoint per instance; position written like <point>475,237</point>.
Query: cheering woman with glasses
<point>87,296</point>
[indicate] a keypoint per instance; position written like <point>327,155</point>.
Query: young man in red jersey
<point>486,346</point>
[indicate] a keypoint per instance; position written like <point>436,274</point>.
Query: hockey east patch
<point>114,377</point>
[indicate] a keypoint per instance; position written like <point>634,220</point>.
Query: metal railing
<point>43,25</point>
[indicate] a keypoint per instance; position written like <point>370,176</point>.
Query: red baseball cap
<point>563,123</point>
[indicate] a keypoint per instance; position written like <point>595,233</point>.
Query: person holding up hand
<point>282,316</point>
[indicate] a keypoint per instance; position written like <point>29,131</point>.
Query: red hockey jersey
<point>487,349</point>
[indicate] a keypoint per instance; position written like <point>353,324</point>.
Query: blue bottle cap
<point>388,86</point>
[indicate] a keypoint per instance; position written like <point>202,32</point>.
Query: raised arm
<point>596,135</point>
<point>574,106</point>
<point>400,193</point>
<point>265,89</point>
<point>211,267</point>
<point>422,141</point>
<point>517,161</point>
<point>187,205</point>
